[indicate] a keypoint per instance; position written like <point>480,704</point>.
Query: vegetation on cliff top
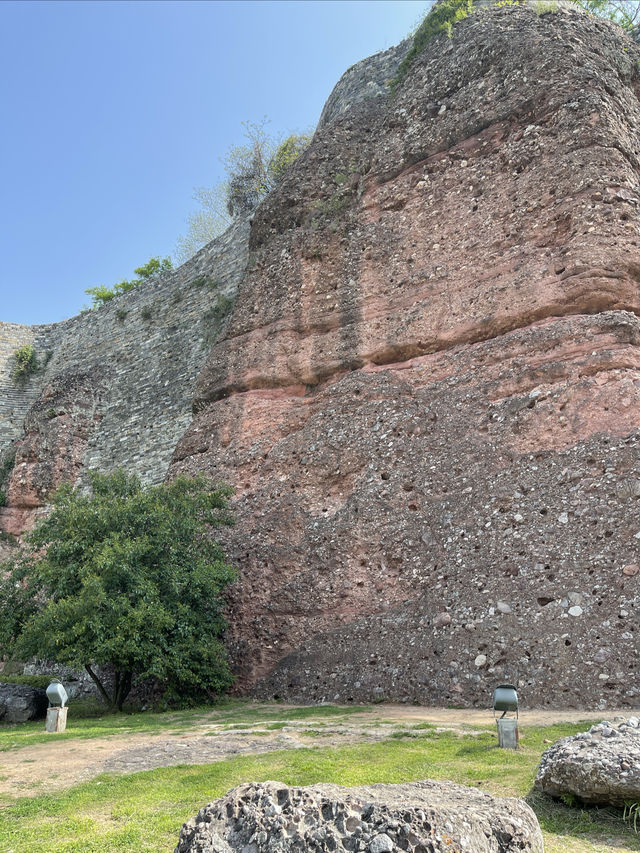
<point>443,15</point>
<point>129,579</point>
<point>440,19</point>
<point>154,266</point>
<point>252,170</point>
<point>623,12</point>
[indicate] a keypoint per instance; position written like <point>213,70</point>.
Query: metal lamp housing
<point>56,694</point>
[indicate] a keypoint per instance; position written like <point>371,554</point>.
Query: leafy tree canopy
<point>129,579</point>
<point>623,12</point>
<point>252,170</point>
<point>154,266</point>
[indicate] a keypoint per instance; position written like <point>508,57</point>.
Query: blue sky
<point>114,111</point>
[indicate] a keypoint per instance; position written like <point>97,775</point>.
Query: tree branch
<point>98,684</point>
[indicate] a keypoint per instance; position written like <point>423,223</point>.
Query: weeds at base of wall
<point>631,815</point>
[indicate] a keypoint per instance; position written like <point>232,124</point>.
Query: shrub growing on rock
<point>26,363</point>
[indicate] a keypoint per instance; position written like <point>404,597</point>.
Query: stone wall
<point>367,80</point>
<point>118,386</point>
<point>14,399</point>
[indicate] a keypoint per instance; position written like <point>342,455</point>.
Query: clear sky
<point>114,111</point>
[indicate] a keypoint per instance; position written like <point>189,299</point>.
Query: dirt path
<point>66,762</point>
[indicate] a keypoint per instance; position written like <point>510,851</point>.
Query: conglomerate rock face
<point>419,817</point>
<point>598,766</point>
<point>427,397</point>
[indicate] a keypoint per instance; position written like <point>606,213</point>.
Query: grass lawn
<point>232,713</point>
<point>143,812</point>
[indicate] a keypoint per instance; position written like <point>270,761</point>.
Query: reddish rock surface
<point>57,429</point>
<point>427,397</point>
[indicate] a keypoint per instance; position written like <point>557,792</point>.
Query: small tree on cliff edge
<point>128,578</point>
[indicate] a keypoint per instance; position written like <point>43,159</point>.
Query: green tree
<point>623,12</point>
<point>252,170</point>
<point>154,266</point>
<point>129,579</point>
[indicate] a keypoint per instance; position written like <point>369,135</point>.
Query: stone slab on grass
<point>418,817</point>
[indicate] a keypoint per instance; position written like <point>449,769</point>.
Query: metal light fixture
<point>505,700</point>
<point>56,694</point>
<point>57,710</point>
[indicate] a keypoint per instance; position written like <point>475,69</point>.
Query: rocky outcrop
<point>427,398</point>
<point>57,430</point>
<point>418,816</point>
<point>426,394</point>
<point>598,766</point>
<point>19,703</point>
<point>366,80</point>
<point>114,385</point>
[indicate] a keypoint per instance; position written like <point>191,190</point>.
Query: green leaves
<point>252,170</point>
<point>154,266</point>
<point>623,12</point>
<point>25,363</point>
<point>127,578</point>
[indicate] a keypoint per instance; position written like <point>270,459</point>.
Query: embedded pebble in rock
<point>598,766</point>
<point>419,816</point>
<point>381,844</point>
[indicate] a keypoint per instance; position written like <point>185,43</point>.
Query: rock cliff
<point>115,384</point>
<point>426,395</point>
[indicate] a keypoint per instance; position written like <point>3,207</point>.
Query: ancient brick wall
<point>118,385</point>
<point>15,400</point>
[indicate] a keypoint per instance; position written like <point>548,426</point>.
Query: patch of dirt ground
<point>67,762</point>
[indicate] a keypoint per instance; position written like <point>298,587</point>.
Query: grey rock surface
<point>366,80</point>
<point>598,766</point>
<point>19,703</point>
<point>428,817</point>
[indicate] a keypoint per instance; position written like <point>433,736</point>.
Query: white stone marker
<point>508,733</point>
<point>56,719</point>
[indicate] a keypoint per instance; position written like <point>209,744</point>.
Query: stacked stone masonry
<point>117,387</point>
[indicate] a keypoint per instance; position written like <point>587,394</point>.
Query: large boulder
<point>598,766</point>
<point>19,703</point>
<point>425,817</point>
